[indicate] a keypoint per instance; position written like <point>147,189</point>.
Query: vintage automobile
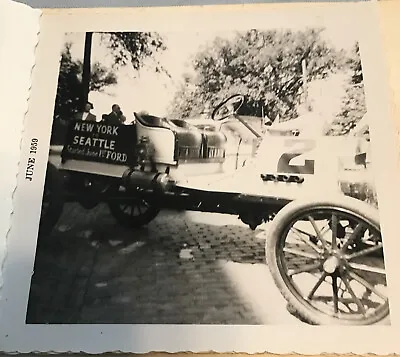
<point>319,242</point>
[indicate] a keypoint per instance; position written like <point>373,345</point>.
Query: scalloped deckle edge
<point>17,59</point>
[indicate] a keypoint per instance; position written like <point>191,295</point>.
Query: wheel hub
<point>331,264</point>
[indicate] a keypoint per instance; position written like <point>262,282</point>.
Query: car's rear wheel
<point>53,200</point>
<point>134,212</point>
<point>321,256</point>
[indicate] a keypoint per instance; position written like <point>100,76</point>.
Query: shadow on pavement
<point>180,269</point>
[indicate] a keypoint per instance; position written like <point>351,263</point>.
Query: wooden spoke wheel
<point>323,258</point>
<point>134,212</point>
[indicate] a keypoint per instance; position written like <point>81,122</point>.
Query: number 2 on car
<point>310,158</point>
<point>297,148</point>
<point>314,159</point>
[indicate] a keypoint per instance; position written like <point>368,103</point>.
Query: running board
<point>189,199</point>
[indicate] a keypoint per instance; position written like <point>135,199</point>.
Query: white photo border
<point>16,336</point>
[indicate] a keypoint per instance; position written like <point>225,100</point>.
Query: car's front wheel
<point>322,256</point>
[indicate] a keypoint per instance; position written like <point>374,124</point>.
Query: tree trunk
<point>305,83</point>
<point>86,68</point>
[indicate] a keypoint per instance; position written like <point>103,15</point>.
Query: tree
<point>70,85</point>
<point>266,66</point>
<point>86,67</point>
<point>353,103</point>
<point>127,48</point>
<point>77,79</point>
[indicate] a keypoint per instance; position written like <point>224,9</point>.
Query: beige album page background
<point>390,27</point>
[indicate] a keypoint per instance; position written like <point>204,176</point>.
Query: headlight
<point>143,150</point>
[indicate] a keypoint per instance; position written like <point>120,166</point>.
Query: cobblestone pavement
<point>183,268</point>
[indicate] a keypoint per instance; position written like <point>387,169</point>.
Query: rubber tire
<point>277,230</point>
<point>128,221</point>
<point>54,183</point>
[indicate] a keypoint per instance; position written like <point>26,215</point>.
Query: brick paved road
<point>190,268</point>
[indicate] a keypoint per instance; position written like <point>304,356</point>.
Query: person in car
<point>86,114</point>
<point>116,116</point>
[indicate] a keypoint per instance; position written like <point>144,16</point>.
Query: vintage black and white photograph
<point>210,177</point>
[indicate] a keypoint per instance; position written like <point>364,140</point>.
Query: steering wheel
<point>228,107</point>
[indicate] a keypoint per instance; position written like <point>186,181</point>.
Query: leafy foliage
<point>70,83</point>
<point>128,48</point>
<point>364,191</point>
<point>70,87</point>
<point>266,66</point>
<point>353,103</point>
<point>133,48</point>
<point>101,77</point>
